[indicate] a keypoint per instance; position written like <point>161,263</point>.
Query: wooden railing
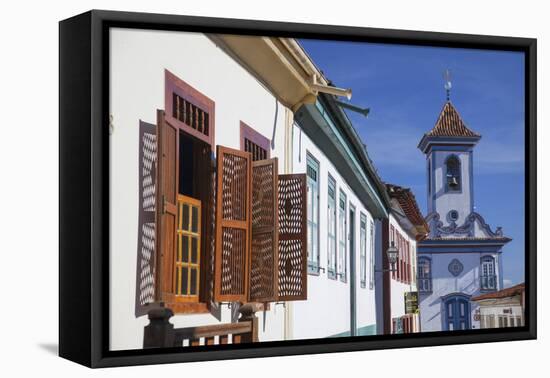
<point>160,333</point>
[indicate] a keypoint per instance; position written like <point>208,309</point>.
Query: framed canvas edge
<point>97,331</point>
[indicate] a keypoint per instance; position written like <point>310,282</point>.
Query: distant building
<point>461,257</point>
<point>403,228</point>
<point>503,308</point>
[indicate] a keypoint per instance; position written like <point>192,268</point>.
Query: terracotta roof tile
<point>450,124</point>
<point>407,201</point>
<point>508,292</point>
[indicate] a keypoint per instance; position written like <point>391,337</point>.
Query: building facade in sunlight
<point>461,257</point>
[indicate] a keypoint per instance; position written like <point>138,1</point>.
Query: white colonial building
<point>503,308</point>
<point>461,257</point>
<point>218,112</point>
<point>396,284</point>
<point>345,197</point>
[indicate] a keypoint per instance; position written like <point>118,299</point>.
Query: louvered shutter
<point>145,264</point>
<point>233,215</point>
<point>292,280</point>
<point>264,245</point>
<point>167,182</point>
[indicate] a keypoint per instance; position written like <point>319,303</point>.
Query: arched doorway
<point>456,310</point>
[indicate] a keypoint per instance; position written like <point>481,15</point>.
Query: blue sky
<point>403,87</point>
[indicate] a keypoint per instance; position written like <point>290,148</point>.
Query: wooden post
<point>159,333</point>
<point>248,314</point>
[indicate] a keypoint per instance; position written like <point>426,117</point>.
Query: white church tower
<point>461,257</point>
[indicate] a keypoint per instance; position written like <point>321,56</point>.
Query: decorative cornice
<point>438,229</point>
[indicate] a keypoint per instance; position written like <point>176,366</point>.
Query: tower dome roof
<point>449,125</point>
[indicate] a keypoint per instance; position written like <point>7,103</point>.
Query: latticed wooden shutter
<point>233,216</point>
<point>292,280</point>
<point>145,265</point>
<point>264,245</point>
<point>167,183</point>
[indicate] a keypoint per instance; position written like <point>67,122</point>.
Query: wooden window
<point>342,238</point>
<point>264,247</point>
<point>188,109</point>
<point>363,249</point>
<point>392,240</point>
<point>145,272</point>
<point>233,216</point>
<point>312,171</point>
<point>331,223</point>
<point>292,237</point>
<point>187,266</point>
<point>372,252</point>
<point>166,215</point>
<point>254,142</point>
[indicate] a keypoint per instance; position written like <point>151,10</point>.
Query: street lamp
<point>392,252</point>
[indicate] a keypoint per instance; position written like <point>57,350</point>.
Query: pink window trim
<point>174,84</point>
<point>255,137</point>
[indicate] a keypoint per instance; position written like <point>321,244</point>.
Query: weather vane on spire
<point>448,85</point>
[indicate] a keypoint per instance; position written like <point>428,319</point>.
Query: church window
<point>424,275</point>
<point>488,276</point>
<point>452,178</point>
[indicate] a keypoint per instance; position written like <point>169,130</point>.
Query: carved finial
<point>448,85</point>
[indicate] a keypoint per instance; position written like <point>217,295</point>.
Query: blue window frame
<point>363,249</point>
<point>312,172</point>
<point>424,276</point>
<point>342,238</point>
<point>331,222</point>
<point>488,276</point>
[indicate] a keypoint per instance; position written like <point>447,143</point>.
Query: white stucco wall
<point>327,309</point>
<point>398,289</point>
<point>444,283</point>
<point>138,61</point>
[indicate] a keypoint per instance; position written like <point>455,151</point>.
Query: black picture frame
<point>84,194</point>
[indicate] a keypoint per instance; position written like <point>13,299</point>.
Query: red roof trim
<point>505,293</point>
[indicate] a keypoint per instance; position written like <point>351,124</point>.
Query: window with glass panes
<point>363,250</point>
<point>331,222</point>
<point>187,266</point>
<point>312,172</point>
<point>488,276</point>
<point>371,254</point>
<point>342,238</point>
<point>424,275</point>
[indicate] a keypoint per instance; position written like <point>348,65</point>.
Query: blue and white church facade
<point>461,257</point>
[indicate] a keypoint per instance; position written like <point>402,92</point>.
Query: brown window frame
<point>202,302</point>
<point>247,132</point>
<point>175,85</point>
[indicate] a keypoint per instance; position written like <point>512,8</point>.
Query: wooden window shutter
<point>167,182</point>
<point>264,245</point>
<point>145,267</point>
<point>292,280</point>
<point>233,217</point>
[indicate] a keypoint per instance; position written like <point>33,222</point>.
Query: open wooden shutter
<point>233,216</point>
<point>167,183</point>
<point>292,280</point>
<point>145,264</point>
<point>264,245</point>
